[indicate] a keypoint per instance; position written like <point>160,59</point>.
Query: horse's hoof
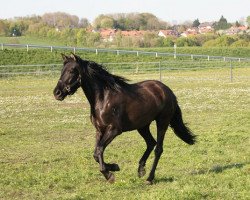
<point>115,167</point>
<point>141,172</point>
<point>149,182</point>
<point>112,167</point>
<point>111,178</point>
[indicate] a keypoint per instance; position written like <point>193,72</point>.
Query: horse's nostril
<point>58,92</point>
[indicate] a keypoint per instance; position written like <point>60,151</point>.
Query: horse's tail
<point>180,129</point>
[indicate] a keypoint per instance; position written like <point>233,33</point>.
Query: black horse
<point>117,106</point>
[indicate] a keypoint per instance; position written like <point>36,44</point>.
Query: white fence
<point>118,52</point>
<point>156,69</point>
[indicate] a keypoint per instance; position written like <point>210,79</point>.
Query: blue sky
<point>167,10</point>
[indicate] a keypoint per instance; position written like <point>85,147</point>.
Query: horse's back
<point>156,89</point>
<point>152,99</point>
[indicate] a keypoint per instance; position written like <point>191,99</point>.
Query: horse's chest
<point>107,114</point>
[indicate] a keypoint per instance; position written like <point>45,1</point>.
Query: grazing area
<point>20,56</point>
<point>47,146</point>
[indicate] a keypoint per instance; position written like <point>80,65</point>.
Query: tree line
<point>70,30</point>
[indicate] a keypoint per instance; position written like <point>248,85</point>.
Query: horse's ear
<point>64,57</point>
<point>74,57</point>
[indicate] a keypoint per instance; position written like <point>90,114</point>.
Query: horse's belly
<point>139,117</point>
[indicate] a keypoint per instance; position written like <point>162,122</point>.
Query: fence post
<point>117,52</point>
<point>175,46</point>
<point>137,53</point>
<point>96,51</point>
<point>231,71</point>
<point>74,49</point>
<point>208,58</point>
<point>2,46</point>
<point>51,49</point>
<point>192,57</point>
<point>156,54</point>
<point>27,47</point>
<point>137,68</point>
<point>160,70</point>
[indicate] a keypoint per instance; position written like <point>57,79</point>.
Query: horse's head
<point>70,79</point>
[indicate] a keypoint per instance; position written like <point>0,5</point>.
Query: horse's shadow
<point>165,179</point>
<point>215,169</point>
<point>218,168</point>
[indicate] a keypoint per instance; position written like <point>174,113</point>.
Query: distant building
<point>166,33</point>
<point>108,35</point>
<point>206,27</point>
<point>133,33</point>
<point>236,30</point>
<point>190,32</point>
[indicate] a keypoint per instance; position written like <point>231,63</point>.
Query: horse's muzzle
<point>58,94</point>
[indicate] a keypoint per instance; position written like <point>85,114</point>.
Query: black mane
<point>101,76</point>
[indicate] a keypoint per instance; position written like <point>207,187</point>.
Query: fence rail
<point>118,52</point>
<point>156,69</point>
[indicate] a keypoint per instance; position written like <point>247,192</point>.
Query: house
<point>166,33</point>
<point>236,30</point>
<point>133,33</point>
<point>206,27</point>
<point>190,32</point>
<point>107,35</point>
<point>243,28</point>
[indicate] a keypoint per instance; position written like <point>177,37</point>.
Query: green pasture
<point>29,40</point>
<point>47,146</point>
<point>212,51</point>
<point>20,56</point>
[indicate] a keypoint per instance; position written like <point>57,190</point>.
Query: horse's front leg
<point>103,142</point>
<point>109,167</point>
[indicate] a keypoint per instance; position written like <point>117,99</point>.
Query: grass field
<point>47,146</point>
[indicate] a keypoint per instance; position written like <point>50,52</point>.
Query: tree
<point>149,39</point>
<point>3,28</point>
<point>93,39</point>
<point>237,24</point>
<point>118,39</point>
<point>187,42</point>
<point>248,20</point>
<point>60,19</point>
<point>107,22</point>
<point>81,37</point>
<point>222,24</point>
<point>179,28</point>
<point>196,23</point>
<point>130,21</point>
<point>153,24</point>
<point>15,30</point>
<point>223,41</point>
<point>68,36</point>
<point>84,23</point>
<point>187,23</point>
<point>240,43</point>
<point>168,42</point>
<point>104,21</point>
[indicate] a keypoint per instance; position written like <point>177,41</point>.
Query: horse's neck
<point>92,93</point>
<point>89,92</point>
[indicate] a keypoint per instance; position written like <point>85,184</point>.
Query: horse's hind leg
<point>162,127</point>
<point>150,141</point>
